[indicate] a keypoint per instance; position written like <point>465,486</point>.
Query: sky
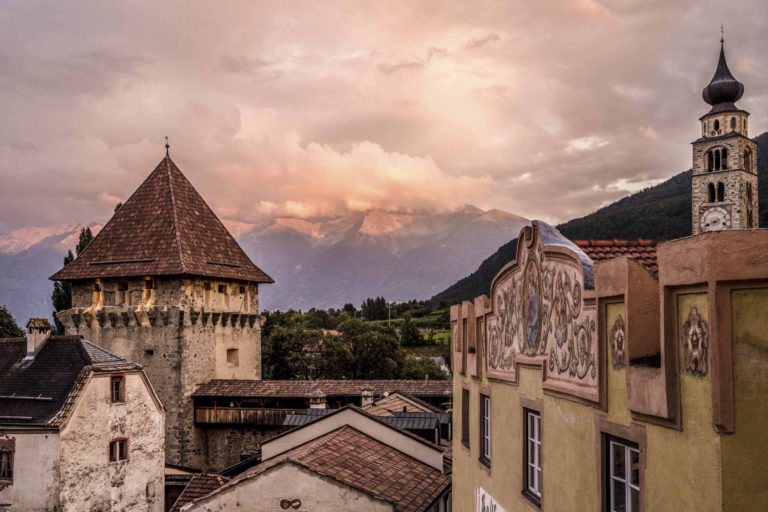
<point>547,109</point>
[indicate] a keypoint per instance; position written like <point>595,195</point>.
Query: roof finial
<point>722,34</point>
<point>167,146</point>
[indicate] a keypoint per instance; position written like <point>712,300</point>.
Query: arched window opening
<point>720,192</point>
<point>747,160</point>
<point>750,222</point>
<point>725,158</point>
<point>710,161</point>
<point>733,124</point>
<point>717,125</point>
<point>749,193</point>
<point>711,192</point>
<point>717,159</point>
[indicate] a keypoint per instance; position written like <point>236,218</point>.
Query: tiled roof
<point>39,323</point>
<point>38,391</point>
<point>349,456</point>
<point>305,388</point>
<point>164,228</point>
<point>641,250</point>
<point>200,485</point>
<point>397,402</point>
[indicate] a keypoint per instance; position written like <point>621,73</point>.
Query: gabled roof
<point>330,387</point>
<point>641,250</point>
<point>364,463</point>
<point>164,228</point>
<point>38,391</point>
<point>399,402</point>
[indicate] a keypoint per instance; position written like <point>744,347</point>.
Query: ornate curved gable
<point>539,315</point>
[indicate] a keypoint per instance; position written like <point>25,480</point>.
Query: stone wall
<point>222,446</point>
<point>35,470</point>
<point>89,481</point>
<point>180,330</point>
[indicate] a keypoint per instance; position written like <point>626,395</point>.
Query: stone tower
<point>165,285</point>
<point>724,188</point>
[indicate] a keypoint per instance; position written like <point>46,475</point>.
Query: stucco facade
<point>184,332</point>
<point>69,468</point>
<point>680,366</point>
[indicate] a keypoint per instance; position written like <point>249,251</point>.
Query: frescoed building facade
<point>619,380</point>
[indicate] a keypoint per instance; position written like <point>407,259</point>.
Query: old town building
<point>80,428</point>
<point>164,284</point>
<point>592,378</point>
<point>346,461</point>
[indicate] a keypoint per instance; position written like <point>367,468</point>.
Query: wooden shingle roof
<point>164,228</point>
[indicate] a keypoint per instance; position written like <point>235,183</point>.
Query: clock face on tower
<point>715,218</point>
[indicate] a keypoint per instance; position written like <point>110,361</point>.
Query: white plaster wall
<point>35,466</point>
<point>89,481</point>
<point>290,481</point>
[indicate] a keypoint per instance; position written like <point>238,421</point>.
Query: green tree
<point>410,335</point>
<point>422,368</point>
<point>288,353</point>
<point>62,290</point>
<point>376,351</point>
<point>336,359</point>
<point>8,326</point>
<point>117,207</point>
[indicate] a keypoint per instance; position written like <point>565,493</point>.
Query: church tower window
<point>717,125</point>
<point>725,158</point>
<point>733,124</point>
<point>720,192</point>
<point>711,192</point>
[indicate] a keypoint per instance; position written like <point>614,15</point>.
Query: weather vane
<point>167,146</point>
<point>722,33</point>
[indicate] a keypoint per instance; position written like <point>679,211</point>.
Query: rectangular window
<point>465,417</point>
<point>623,478</point>
<point>222,288</point>
<point>532,472</point>
<point>118,450</point>
<point>117,389</point>
<point>485,428</point>
<point>232,356</point>
<point>6,464</point>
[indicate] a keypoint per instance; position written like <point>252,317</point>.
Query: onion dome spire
<point>723,90</point>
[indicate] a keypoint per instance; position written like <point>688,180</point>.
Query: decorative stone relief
<point>538,317</point>
<point>618,343</point>
<point>695,343</point>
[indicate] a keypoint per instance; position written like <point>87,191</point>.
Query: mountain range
<point>324,262</point>
<point>659,212</point>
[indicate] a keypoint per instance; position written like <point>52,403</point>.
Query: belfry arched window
<point>717,159</point>
<point>749,193</point>
<point>747,160</point>
<point>710,161</point>
<point>717,124</point>
<point>733,124</point>
<point>711,192</point>
<point>720,192</point>
<point>725,158</point>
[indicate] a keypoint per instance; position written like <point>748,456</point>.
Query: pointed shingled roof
<point>164,228</point>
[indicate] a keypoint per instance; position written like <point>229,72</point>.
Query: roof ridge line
<point>175,214</point>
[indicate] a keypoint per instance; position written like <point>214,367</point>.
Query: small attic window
<point>207,286</point>
<point>117,389</point>
<point>222,288</point>
<point>122,287</point>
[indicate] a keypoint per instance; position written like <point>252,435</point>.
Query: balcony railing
<point>242,416</point>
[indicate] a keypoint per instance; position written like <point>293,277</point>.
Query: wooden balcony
<point>242,416</point>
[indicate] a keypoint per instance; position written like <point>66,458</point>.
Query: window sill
<point>465,443</point>
<point>485,462</point>
<point>535,500</point>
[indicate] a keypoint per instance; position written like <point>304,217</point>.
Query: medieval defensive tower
<point>724,177</point>
<point>164,284</point>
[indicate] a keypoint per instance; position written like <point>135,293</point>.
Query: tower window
<point>710,161</point>
<point>232,356</point>
<point>750,222</point>
<point>733,124</point>
<point>725,158</point>
<point>747,160</point>
<point>749,193</point>
<point>720,192</point>
<point>207,285</point>
<point>711,192</point>
<point>222,288</point>
<point>717,159</point>
<point>242,290</point>
<point>717,125</point>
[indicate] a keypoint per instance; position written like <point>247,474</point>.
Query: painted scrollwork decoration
<point>695,343</point>
<point>618,342</point>
<point>532,301</point>
<point>503,331</point>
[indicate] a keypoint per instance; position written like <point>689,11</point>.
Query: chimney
<point>317,400</point>
<point>367,398</point>
<point>38,330</point>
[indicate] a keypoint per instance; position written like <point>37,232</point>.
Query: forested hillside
<point>661,211</point>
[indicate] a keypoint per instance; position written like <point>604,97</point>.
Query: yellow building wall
<point>745,453</point>
<point>683,468</point>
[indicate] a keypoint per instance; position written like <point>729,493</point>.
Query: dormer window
<point>117,389</point>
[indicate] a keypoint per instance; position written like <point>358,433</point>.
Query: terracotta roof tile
<point>364,463</point>
<point>642,250</point>
<point>164,228</point>
<point>200,485</point>
<point>305,388</point>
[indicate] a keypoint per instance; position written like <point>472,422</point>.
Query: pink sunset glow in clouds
<point>547,109</point>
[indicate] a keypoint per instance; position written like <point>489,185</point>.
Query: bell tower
<point>724,176</point>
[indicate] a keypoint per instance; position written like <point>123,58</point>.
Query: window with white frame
<point>623,476</point>
<point>485,402</point>
<point>532,455</point>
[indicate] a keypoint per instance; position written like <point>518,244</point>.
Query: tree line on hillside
<point>294,346</point>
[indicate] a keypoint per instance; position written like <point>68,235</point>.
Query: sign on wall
<point>484,502</point>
